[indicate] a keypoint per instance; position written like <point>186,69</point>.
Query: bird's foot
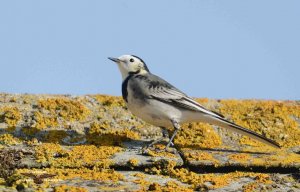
<point>163,140</point>
<point>157,150</point>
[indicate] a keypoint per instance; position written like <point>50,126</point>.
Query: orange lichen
<point>10,115</point>
<point>197,135</point>
<point>77,156</point>
<point>275,120</point>
<point>104,134</point>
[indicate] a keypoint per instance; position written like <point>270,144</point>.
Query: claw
<point>166,149</point>
<point>164,139</point>
<point>157,149</point>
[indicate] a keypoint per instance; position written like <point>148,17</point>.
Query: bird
<point>157,102</point>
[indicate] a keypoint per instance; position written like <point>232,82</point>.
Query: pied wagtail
<point>159,103</point>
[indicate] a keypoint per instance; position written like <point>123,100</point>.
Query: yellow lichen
<point>202,100</point>
<point>275,120</point>
<point>217,180</point>
<point>133,162</point>
<point>10,115</point>
<point>105,175</point>
<point>197,135</point>
<point>198,180</point>
<point>200,156</point>
<point>30,131</point>
<point>263,178</point>
<point>69,110</point>
<point>158,150</point>
<point>170,186</point>
<point>139,175</point>
<point>87,174</point>
<point>52,109</point>
<point>113,187</point>
<point>77,156</point>
<point>67,188</point>
<point>240,158</point>
<point>259,179</point>
<point>44,121</point>
<point>2,181</point>
<point>104,134</point>
<point>144,184</point>
<point>32,142</point>
<point>250,187</point>
<point>108,100</point>
<point>281,158</point>
<point>55,136</point>
<point>8,139</point>
<point>46,152</point>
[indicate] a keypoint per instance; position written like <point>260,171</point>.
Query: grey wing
<point>161,90</point>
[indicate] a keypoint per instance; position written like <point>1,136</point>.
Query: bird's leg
<point>163,138</point>
<point>177,128</point>
<point>154,142</point>
<point>165,135</point>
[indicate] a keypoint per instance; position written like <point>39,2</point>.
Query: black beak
<point>114,59</point>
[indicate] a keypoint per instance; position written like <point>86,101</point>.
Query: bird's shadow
<point>192,147</point>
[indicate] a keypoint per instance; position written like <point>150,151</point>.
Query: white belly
<point>161,114</point>
<point>155,112</point>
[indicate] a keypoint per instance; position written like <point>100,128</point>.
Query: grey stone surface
<point>64,126</point>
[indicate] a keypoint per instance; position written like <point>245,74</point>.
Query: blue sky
<point>216,49</point>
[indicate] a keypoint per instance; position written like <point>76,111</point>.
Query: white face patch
<point>129,63</point>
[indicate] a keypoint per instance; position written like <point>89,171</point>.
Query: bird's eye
<point>131,60</point>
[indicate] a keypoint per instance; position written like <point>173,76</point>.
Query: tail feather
<point>243,131</point>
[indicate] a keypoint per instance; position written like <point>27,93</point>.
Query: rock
<point>92,143</point>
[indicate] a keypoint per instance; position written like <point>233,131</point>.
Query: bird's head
<point>130,64</point>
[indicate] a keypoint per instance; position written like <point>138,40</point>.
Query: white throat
<point>123,71</point>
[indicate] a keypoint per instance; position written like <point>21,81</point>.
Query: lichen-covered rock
<point>93,143</point>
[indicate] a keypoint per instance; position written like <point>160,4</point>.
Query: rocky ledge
<point>92,143</point>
